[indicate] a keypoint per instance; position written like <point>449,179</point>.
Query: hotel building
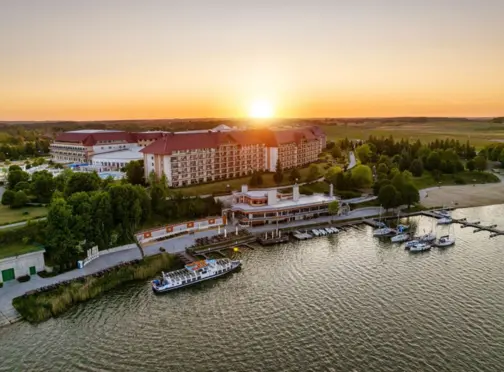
<point>104,148</point>
<point>188,158</point>
<point>260,207</point>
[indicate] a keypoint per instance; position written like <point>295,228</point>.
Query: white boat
<point>445,221</point>
<point>420,247</point>
<point>329,231</point>
<point>427,238</point>
<point>193,273</point>
<point>335,230</point>
<point>383,231</point>
<point>400,238</point>
<point>315,232</point>
<point>412,243</point>
<point>445,241</point>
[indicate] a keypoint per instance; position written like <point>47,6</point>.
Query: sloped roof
<point>177,142</point>
<point>91,138</point>
<point>191,140</point>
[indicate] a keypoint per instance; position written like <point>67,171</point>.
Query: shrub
<point>459,180</point>
<point>24,279</point>
<point>347,194</point>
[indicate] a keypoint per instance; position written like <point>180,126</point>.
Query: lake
<point>341,303</point>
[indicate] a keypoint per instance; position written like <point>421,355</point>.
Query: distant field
<point>479,133</point>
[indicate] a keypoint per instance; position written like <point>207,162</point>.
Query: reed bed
<point>40,306</point>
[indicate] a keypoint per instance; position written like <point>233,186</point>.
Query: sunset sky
<point>132,59</point>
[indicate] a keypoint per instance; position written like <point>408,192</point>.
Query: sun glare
<point>261,110</point>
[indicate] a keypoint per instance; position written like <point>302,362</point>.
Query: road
<point>352,161</point>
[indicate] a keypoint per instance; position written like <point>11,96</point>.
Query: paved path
<point>19,224</point>
<point>13,289</point>
<point>352,161</point>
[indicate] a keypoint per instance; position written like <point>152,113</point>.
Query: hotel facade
<point>188,158</point>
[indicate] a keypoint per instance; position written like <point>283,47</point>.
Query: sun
<point>261,109</point>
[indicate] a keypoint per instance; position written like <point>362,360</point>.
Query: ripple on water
<point>342,303</point>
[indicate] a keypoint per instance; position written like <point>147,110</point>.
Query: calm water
<point>345,303</point>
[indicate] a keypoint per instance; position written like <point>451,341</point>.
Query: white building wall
<point>148,164</point>
<point>273,158</point>
<point>167,168</point>
<point>21,264</point>
<point>109,147</point>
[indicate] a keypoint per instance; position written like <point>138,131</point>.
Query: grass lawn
<point>16,249</point>
<point>479,133</point>
<point>8,215</point>
<point>236,183</point>
<point>426,180</point>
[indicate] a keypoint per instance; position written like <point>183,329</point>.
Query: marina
<point>312,293</point>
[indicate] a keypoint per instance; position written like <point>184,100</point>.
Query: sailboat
<point>445,241</point>
<point>430,237</point>
<point>383,229</point>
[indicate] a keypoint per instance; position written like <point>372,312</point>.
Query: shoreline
<point>463,196</point>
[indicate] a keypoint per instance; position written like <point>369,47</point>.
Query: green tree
<point>22,186</point>
<point>384,159</point>
<point>135,172</point>
<point>410,194</point>
<point>433,161</point>
<point>480,163</point>
<point>389,197</point>
<point>470,165</point>
<point>82,181</point>
<point>126,211</point>
<point>61,180</point>
<point>15,176</point>
<point>382,168</point>
<point>278,176</point>
<point>333,207</point>
<point>20,199</point>
<point>364,153</point>
<point>416,168</point>
<point>83,218</point>
<point>43,186</point>
<point>294,175</point>
<point>336,152</point>
<point>332,172</point>
<point>8,197</point>
<point>102,219</point>
<point>362,176</point>
<point>313,172</point>
<point>256,179</point>
<point>15,167</point>
<point>61,243</point>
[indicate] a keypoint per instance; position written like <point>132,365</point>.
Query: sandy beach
<point>463,196</point>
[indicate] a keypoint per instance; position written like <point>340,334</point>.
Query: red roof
<point>149,135</point>
<point>191,141</point>
<point>178,142</point>
<point>90,139</point>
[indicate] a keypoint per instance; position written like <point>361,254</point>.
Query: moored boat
<point>400,238</point>
<point>445,241</point>
<point>194,273</point>
<point>420,247</point>
<point>411,243</point>
<point>383,231</point>
<point>445,221</point>
<point>427,238</point>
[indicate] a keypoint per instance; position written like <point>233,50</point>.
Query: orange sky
<point>86,60</point>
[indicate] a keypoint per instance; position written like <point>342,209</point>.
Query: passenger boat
<point>400,238</point>
<point>193,273</point>
<point>420,247</point>
<point>445,241</point>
